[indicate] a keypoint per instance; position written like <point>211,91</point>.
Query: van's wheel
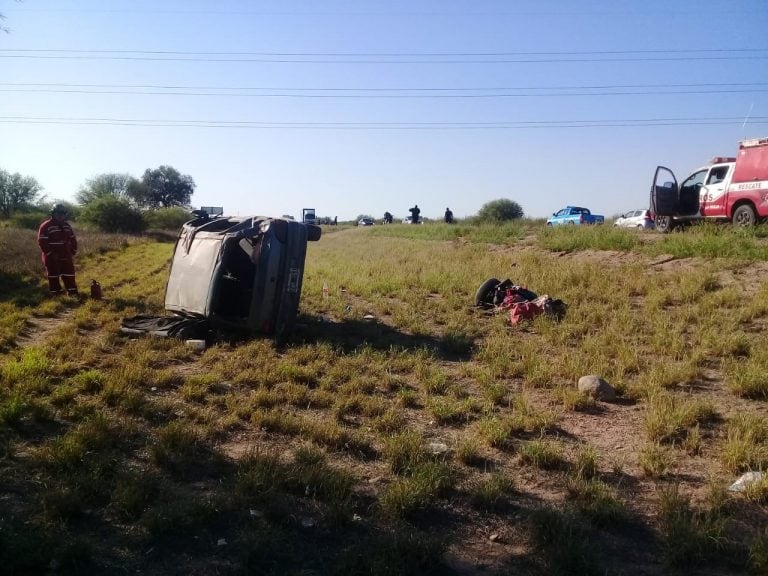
<point>744,215</point>
<point>484,294</point>
<point>664,224</point>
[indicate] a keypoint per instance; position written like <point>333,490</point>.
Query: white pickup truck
<point>734,189</point>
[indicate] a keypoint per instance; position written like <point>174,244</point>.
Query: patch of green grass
<point>572,238</point>
<point>544,454</point>
<point>586,464</point>
<point>689,536</point>
<point>562,543</point>
<point>404,451</point>
<point>654,460</point>
<point>746,444</point>
<point>669,417</point>
<point>596,501</point>
<point>423,485</point>
<point>491,492</point>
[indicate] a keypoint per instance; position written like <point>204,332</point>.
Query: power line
<point>393,57</point>
<point>390,96</point>
<point>498,125</point>
<point>391,54</point>
<point>547,14</point>
<point>383,89</point>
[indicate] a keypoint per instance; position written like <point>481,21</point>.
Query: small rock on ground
<point>596,387</point>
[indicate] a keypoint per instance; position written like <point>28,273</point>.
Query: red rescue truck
<point>734,189</point>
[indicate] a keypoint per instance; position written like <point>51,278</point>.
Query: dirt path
<point>38,330</point>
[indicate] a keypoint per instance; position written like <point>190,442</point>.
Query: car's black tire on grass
<point>484,294</point>
<point>313,232</point>
<point>664,224</point>
<point>744,215</point>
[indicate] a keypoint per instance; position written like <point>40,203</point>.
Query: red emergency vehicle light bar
<point>721,160</point>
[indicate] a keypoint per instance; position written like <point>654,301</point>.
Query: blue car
<point>574,215</point>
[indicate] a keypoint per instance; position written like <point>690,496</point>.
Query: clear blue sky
<point>435,102</point>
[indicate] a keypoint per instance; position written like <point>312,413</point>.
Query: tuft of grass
<point>177,447</point>
<point>423,485</point>
<point>689,535</point>
<point>654,460</point>
<point>404,451</point>
<point>757,492</point>
<point>586,465</point>
<point>544,454</point>
<point>758,553</point>
<point>562,543</point>
<point>400,550</point>
<point>746,445</point>
<point>468,451</point>
<point>597,501</point>
<point>669,417</point>
<point>491,492</point>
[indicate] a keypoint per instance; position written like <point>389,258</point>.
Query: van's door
<point>713,193</point>
<point>664,193</point>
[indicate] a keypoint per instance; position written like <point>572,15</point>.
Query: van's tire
<point>484,294</point>
<point>744,215</point>
<point>664,224</point>
<point>313,232</point>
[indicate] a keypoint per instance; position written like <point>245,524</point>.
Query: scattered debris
<point>308,523</point>
<point>198,345</point>
<point>594,386</point>
<point>437,448</point>
<point>521,303</point>
<point>746,480</point>
<point>221,542</point>
<point>369,317</point>
<point>493,537</point>
<point>663,259</point>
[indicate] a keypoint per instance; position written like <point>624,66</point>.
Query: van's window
<point>693,182</point>
<point>717,174</point>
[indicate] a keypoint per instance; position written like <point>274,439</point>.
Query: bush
<point>29,220</point>
<point>167,218</point>
<point>500,210</point>
<point>112,214</point>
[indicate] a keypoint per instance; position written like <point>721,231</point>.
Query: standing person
<point>414,214</point>
<point>58,244</point>
<point>448,216</point>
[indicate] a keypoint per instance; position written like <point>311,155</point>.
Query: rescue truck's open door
<point>664,193</point>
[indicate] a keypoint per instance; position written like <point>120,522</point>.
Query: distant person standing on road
<point>58,244</point>
<point>448,216</point>
<point>414,214</point>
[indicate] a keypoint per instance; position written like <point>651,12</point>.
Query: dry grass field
<point>400,430</point>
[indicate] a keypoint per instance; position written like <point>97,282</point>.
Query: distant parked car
<point>365,222</point>
<point>636,219</point>
<point>574,215</point>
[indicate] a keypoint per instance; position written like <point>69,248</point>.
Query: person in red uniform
<point>59,245</point>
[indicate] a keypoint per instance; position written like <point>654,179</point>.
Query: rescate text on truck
<point>734,189</point>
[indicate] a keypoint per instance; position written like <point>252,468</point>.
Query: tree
<point>112,214</point>
<point>122,186</point>
<point>16,191</point>
<point>500,210</point>
<point>164,187</point>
